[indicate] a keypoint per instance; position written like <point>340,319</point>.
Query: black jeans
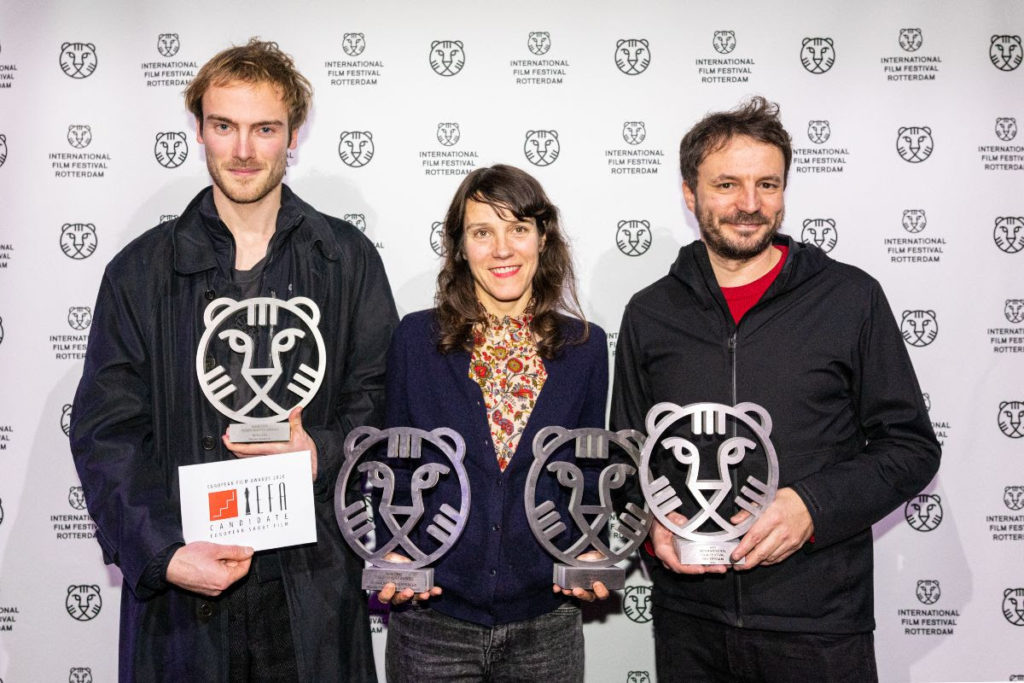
<point>698,650</point>
<point>425,645</point>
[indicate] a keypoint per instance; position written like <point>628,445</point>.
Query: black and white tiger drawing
<point>78,60</point>
<point>724,42</point>
<point>634,132</point>
<point>1013,309</point>
<point>171,149</point>
<point>80,674</point>
<point>632,56</point>
<point>914,143</point>
<point>539,42</point>
<point>353,44</point>
<point>168,44</point>
<point>1013,606</point>
<point>356,219</point>
<point>79,136</point>
<point>1013,497</point>
<point>76,498</point>
<point>65,419</point>
<point>356,148</point>
<point>638,677</point>
<point>633,237</point>
<point>448,133</point>
<point>914,220</point>
<point>1011,418</point>
<point>919,328</point>
<point>79,317</point>
<point>636,603</point>
<point>1008,233</point>
<point>923,512</point>
<point>821,232</point>
<point>928,591</point>
<point>819,131</point>
<point>911,39</point>
<point>437,237</point>
<point>1005,52</point>
<point>78,240</point>
<point>447,57</point>
<point>541,147</point>
<point>83,602</point>
<point>3,149</point>
<point>818,55</point>
<point>1006,128</point>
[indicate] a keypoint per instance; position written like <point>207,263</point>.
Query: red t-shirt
<point>741,299</point>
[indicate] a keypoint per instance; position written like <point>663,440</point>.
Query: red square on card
<point>223,504</point>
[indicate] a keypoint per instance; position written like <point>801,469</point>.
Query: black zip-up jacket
<point>822,352</point>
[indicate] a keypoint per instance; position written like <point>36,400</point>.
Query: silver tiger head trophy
<point>708,461</point>
<point>409,486</point>
<point>591,504</point>
<point>239,362</point>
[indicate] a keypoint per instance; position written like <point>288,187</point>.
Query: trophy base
<point>706,552</point>
<point>420,580</point>
<point>567,576</point>
<point>259,432</point>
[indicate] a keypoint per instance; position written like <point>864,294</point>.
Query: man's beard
<point>249,193</point>
<point>737,249</point>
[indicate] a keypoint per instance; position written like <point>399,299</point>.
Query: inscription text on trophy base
<point>706,552</point>
<point>375,578</point>
<point>613,578</point>
<point>259,432</point>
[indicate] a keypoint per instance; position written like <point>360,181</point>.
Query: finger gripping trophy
<point>685,438</point>
<point>591,520</point>
<point>404,482</point>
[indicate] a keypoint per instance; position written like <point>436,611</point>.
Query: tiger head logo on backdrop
<point>78,60</point>
<point>928,591</point>
<point>914,220</point>
<point>83,602</point>
<point>911,39</point>
<point>541,147</point>
<point>724,42</point>
<point>633,237</point>
<point>1006,128</point>
<point>1013,497</point>
<point>356,148</point>
<point>818,55</point>
<point>821,232</point>
<point>79,317</point>
<point>634,132</point>
<point>356,219</point>
<point>923,512</point>
<point>914,143</point>
<point>632,56</point>
<point>448,133</point>
<point>1013,309</point>
<point>539,42</point>
<point>447,57</point>
<point>818,132</point>
<point>919,328</point>
<point>171,149</point>
<point>78,240</point>
<point>1008,233</point>
<point>167,44</point>
<point>1005,52</point>
<point>353,44</point>
<point>1011,418</point>
<point>79,136</point>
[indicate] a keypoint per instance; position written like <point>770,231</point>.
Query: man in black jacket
<point>206,611</point>
<point>749,315</point>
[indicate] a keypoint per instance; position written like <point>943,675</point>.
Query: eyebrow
<point>725,176</point>
<point>224,119</point>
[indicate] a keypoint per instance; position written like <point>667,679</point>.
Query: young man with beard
<point>749,315</point>
<point>203,611</point>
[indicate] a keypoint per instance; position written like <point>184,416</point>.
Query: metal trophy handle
<point>254,399</point>
<point>401,473</point>
<point>588,521</point>
<point>678,438</point>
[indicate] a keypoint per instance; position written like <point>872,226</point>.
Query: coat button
<point>204,611</point>
<point>494,572</point>
<point>210,295</point>
<point>209,443</point>
<point>495,527</point>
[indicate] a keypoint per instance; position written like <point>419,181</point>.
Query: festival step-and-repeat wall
<point>908,162</point>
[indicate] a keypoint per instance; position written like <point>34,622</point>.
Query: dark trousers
<point>425,645</point>
<point>261,633</point>
<point>698,650</point>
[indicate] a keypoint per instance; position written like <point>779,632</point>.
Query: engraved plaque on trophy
<point>589,476</point>
<point>241,356</point>
<point>408,507</point>
<point>707,462</point>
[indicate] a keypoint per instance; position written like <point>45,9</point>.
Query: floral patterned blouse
<point>510,373</point>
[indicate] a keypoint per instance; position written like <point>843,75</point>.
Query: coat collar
<point>202,241</point>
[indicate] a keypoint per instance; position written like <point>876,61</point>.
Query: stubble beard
<point>737,249</point>
<point>248,193</point>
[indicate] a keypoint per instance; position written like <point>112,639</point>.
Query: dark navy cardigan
<point>497,572</point>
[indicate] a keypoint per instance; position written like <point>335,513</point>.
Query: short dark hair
<point>259,61</point>
<point>506,189</point>
<point>757,118</point>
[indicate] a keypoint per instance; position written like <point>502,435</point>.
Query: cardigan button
<point>495,527</point>
<point>494,572</point>
<point>209,442</point>
<point>204,611</point>
<point>210,295</point>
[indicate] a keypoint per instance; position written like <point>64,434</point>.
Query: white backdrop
<point>89,90</point>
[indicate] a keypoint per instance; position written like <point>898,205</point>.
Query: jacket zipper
<point>735,399</point>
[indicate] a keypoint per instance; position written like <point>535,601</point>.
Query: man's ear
<point>199,131</point>
<point>295,139</point>
<point>690,197</point>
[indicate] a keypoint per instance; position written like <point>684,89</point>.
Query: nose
<point>243,145</point>
<point>502,245</point>
<point>748,200</point>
